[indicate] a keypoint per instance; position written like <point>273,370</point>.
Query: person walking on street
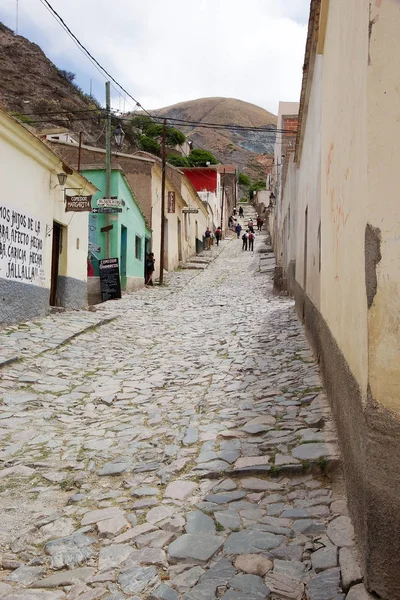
<point>207,235</point>
<point>251,241</point>
<point>260,223</point>
<point>218,234</point>
<point>241,212</point>
<point>245,237</point>
<point>238,229</point>
<point>250,226</point>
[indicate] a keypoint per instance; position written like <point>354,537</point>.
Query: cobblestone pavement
<point>184,450</point>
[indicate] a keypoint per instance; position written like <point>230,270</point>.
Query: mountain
<point>39,94</point>
<point>44,97</point>
<point>241,148</point>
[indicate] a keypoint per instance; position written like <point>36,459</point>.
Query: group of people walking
<point>248,236</point>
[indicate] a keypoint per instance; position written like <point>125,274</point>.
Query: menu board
<point>110,283</point>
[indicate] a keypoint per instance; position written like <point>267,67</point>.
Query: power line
<point>86,51</point>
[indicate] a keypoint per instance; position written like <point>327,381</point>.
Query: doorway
<point>55,261</point>
<point>179,240</point>
<point>122,261</point>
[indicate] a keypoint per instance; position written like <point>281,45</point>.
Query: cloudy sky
<point>167,51</point>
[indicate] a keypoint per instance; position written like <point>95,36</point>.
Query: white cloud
<point>166,51</point>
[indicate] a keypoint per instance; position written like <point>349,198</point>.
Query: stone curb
<point>15,359</point>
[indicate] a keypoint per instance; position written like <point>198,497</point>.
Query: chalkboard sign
<point>110,283</point>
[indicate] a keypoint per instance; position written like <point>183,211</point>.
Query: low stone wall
<point>369,436</point>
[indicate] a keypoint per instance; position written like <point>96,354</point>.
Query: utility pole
<point>108,162</point>
<point>222,203</point>
<point>162,239</point>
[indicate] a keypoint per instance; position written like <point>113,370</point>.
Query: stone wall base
<point>369,436</point>
<point>22,301</point>
<point>71,292</point>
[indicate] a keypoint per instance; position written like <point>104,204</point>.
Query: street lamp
<point>62,178</point>
<point>119,136</point>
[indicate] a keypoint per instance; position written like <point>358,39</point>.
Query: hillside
<point>241,148</point>
<point>33,89</point>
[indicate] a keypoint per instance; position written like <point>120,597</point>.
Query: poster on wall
<point>171,202</point>
<point>21,246</point>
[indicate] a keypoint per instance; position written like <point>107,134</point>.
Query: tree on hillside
<point>257,185</point>
<point>178,161</point>
<point>244,180</point>
<point>199,158</point>
<point>148,144</point>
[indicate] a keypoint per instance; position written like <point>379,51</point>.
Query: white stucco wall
<point>309,192</point>
<point>28,175</point>
<point>344,181</point>
<point>383,200</point>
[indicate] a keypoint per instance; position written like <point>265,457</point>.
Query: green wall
<point>131,218</point>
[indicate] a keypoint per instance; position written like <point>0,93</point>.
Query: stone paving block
<point>349,567</point>
<point>341,531</point>
<point>358,592</point>
<point>196,547</point>
<point>180,489</point>
<point>250,542</point>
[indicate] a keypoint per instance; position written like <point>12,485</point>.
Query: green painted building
<point>129,236</point>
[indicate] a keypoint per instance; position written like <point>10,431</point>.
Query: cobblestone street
<point>181,448</point>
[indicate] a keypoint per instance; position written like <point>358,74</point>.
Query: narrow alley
<point>182,450</point>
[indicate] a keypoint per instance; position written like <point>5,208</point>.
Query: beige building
<point>341,254</point>
<point>183,229</point>
<point>43,247</point>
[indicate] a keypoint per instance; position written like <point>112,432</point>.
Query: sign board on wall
<point>21,246</point>
<point>110,283</point>
<point>108,202</point>
<point>106,210</point>
<point>171,202</point>
<point>78,203</point>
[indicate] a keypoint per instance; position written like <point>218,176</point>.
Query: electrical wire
<point>95,62</point>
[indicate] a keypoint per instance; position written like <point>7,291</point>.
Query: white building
<point>43,248</point>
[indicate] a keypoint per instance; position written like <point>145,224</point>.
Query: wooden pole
<point>162,237</point>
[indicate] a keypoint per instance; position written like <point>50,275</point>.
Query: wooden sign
<point>110,283</point>
<point>171,202</point>
<point>78,203</point>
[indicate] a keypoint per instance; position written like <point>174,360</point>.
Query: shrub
<point>67,75</point>
<point>244,180</point>
<point>200,158</point>
<point>178,161</point>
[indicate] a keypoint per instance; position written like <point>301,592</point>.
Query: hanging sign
<point>110,283</point>
<point>78,203</point>
<point>171,202</point>
<point>108,202</point>
<point>190,211</point>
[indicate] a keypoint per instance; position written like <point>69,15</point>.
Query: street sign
<point>109,202</point>
<point>78,203</point>
<point>110,283</point>
<point>190,211</point>
<point>171,202</point>
<point>106,210</point>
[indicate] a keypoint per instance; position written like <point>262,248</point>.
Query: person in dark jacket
<point>238,229</point>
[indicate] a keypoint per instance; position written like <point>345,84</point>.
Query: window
<point>138,247</point>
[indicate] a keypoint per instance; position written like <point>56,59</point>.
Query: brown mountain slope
<point>241,148</point>
<point>35,90</point>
